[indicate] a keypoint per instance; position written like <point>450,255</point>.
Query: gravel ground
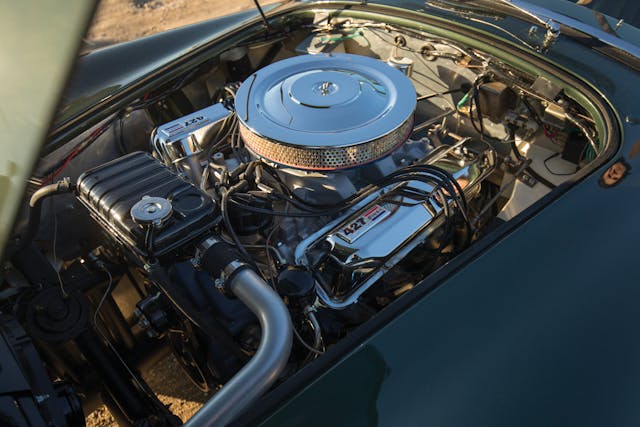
<point>122,20</point>
<point>173,388</point>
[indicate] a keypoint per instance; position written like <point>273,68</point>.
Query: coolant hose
<point>35,206</point>
<point>260,373</point>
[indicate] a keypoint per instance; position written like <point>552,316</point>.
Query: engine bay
<point>337,165</point>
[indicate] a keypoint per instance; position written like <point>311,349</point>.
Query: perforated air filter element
<point>325,112</point>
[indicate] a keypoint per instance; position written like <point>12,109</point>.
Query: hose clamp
<point>221,274</point>
<point>201,248</point>
<point>226,274</point>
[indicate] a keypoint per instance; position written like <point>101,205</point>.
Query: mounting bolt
<point>400,41</point>
<point>631,120</point>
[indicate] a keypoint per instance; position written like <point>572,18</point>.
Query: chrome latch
<point>553,32</point>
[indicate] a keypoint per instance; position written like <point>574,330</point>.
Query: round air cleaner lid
<point>325,112</point>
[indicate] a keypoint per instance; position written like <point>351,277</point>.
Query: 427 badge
<point>355,228</point>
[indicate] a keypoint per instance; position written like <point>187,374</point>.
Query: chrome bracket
<point>553,32</point>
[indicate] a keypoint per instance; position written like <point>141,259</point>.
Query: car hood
<point>40,41</point>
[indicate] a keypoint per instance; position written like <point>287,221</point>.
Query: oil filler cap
<point>153,211</point>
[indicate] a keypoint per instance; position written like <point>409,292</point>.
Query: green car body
<point>484,344</point>
<point>479,342</point>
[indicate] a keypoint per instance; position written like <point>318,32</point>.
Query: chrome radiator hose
<point>275,343</point>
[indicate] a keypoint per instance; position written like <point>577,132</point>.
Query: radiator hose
<point>222,261</point>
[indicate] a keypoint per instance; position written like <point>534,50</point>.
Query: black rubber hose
<point>35,206</point>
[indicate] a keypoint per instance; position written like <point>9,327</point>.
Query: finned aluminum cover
<point>325,112</point>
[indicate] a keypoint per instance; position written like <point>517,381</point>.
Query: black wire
<point>447,176</point>
<point>119,116</point>
<point>478,109</point>
<point>353,199</point>
<point>271,212</point>
<point>293,202</point>
<point>435,183</point>
<point>540,178</point>
<point>435,177</point>
<point>82,145</point>
<point>179,83</point>
<point>418,196</point>
<point>529,169</point>
<point>455,192</point>
<point>149,241</point>
<point>224,210</point>
<point>285,188</point>
<point>514,146</point>
<point>121,143</point>
<point>532,111</point>
<point>474,105</point>
<point>556,173</point>
<point>434,95</point>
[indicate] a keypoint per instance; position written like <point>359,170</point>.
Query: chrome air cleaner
<point>325,112</point>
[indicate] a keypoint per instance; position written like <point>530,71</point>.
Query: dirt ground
<point>171,385</point>
<point>122,20</point>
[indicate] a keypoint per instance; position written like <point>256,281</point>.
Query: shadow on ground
<point>168,378</point>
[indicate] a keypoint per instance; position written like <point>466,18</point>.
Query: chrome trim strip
<point>595,32</point>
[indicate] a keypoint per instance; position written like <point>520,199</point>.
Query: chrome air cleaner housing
<point>325,112</point>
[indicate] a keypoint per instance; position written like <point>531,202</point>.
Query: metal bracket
<point>527,179</point>
<point>552,27</point>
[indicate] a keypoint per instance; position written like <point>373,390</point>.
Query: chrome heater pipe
<point>268,362</point>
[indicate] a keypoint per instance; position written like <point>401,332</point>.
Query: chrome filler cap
<point>325,112</point>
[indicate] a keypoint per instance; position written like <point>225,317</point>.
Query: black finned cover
<point>110,190</point>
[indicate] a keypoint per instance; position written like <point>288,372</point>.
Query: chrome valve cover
<point>180,142</point>
<point>355,251</point>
